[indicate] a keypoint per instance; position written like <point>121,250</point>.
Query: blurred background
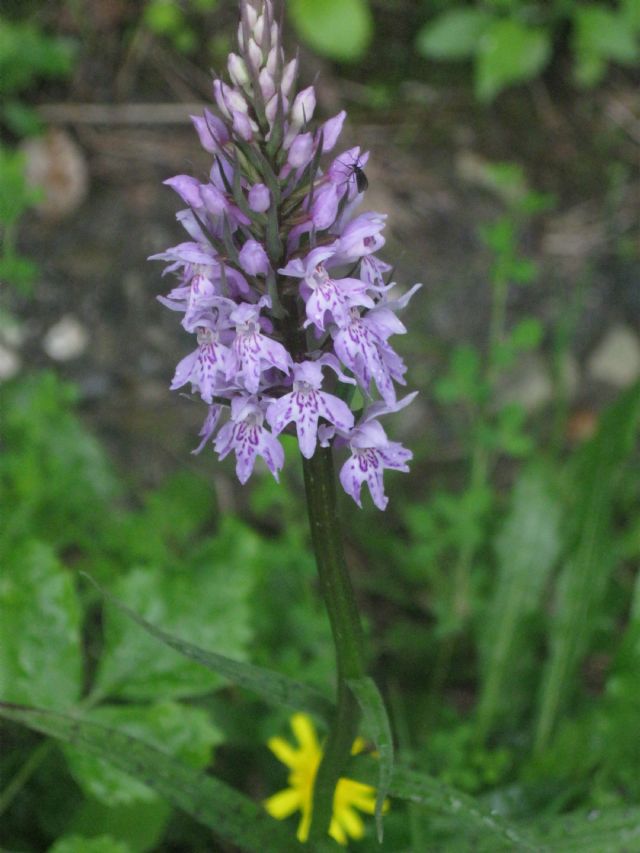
<point>499,586</point>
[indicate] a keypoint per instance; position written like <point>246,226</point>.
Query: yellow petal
<point>305,824</point>
<point>283,804</point>
<point>283,751</point>
<point>351,821</point>
<point>359,745</point>
<point>356,794</point>
<point>337,832</point>
<point>305,733</point>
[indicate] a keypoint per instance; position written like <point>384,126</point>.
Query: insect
<point>362,182</point>
<point>355,170</point>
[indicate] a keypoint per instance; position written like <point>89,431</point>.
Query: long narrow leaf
<point>232,816</point>
<point>433,794</point>
<point>527,548</point>
<point>609,831</point>
<point>378,728</point>
<point>582,583</point>
<point>272,686</point>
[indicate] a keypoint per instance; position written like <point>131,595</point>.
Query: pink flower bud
<point>267,85</point>
<point>258,29</point>
<point>325,206</point>
<point>255,54</point>
<point>212,131</point>
<point>242,126</point>
<point>237,70</point>
<point>331,130</point>
<point>289,76</point>
<point>253,258</point>
<point>214,200</point>
<point>301,150</point>
<point>272,61</point>
<point>303,106</point>
<point>188,189</point>
<point>259,198</point>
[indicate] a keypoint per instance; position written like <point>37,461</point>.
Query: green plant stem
<point>326,536</point>
<point>23,775</point>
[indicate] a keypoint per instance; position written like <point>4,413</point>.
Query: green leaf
<point>527,334</point>
<point>183,732</point>
<point>15,194</point>
<point>630,11</point>
<point>527,548</point>
<point>205,601</point>
<point>140,826</point>
<point>378,728</point>
<point>509,52</point>
<point>453,35</point>
<point>407,784</point>
<point>591,558</point>
<point>601,34</point>
<point>463,382</point>
<point>232,816</point>
<point>596,831</point>
<point>27,53</point>
<point>55,476</point>
<point>79,844</point>
<point>339,29</point>
<point>272,686</point>
<point>40,619</point>
<point>176,512</point>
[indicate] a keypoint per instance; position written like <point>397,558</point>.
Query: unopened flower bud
<point>238,70</point>
<point>267,85</point>
<point>228,100</point>
<point>212,131</point>
<point>252,15</point>
<point>272,107</point>
<point>303,107</point>
<point>289,76</point>
<point>242,126</point>
<point>331,130</point>
<point>325,206</point>
<point>258,29</point>
<point>301,150</point>
<point>255,54</point>
<point>214,200</point>
<point>188,189</point>
<point>253,258</point>
<point>259,198</point>
<point>272,61</point>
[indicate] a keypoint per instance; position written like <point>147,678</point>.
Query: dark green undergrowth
<point>516,705</point>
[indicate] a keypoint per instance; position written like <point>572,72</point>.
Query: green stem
<point>326,536</point>
<point>24,773</point>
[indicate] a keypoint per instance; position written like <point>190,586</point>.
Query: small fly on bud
<point>362,182</point>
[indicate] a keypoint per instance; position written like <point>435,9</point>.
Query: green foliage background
<point>508,589</point>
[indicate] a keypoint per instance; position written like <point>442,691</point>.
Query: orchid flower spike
<point>279,279</point>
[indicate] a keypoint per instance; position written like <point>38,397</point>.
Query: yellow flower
<point>303,763</point>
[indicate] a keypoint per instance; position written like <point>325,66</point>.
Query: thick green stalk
<point>326,536</point>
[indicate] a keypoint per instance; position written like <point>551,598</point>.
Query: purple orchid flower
<point>324,295</point>
<point>206,367</point>
<point>247,437</point>
<point>371,453</point>
<point>306,404</point>
<point>361,237</point>
<point>251,351</point>
<point>362,346</point>
<point>208,427</point>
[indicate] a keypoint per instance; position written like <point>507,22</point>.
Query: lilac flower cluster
<point>279,280</point>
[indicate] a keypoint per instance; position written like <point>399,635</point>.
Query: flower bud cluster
<point>279,281</point>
